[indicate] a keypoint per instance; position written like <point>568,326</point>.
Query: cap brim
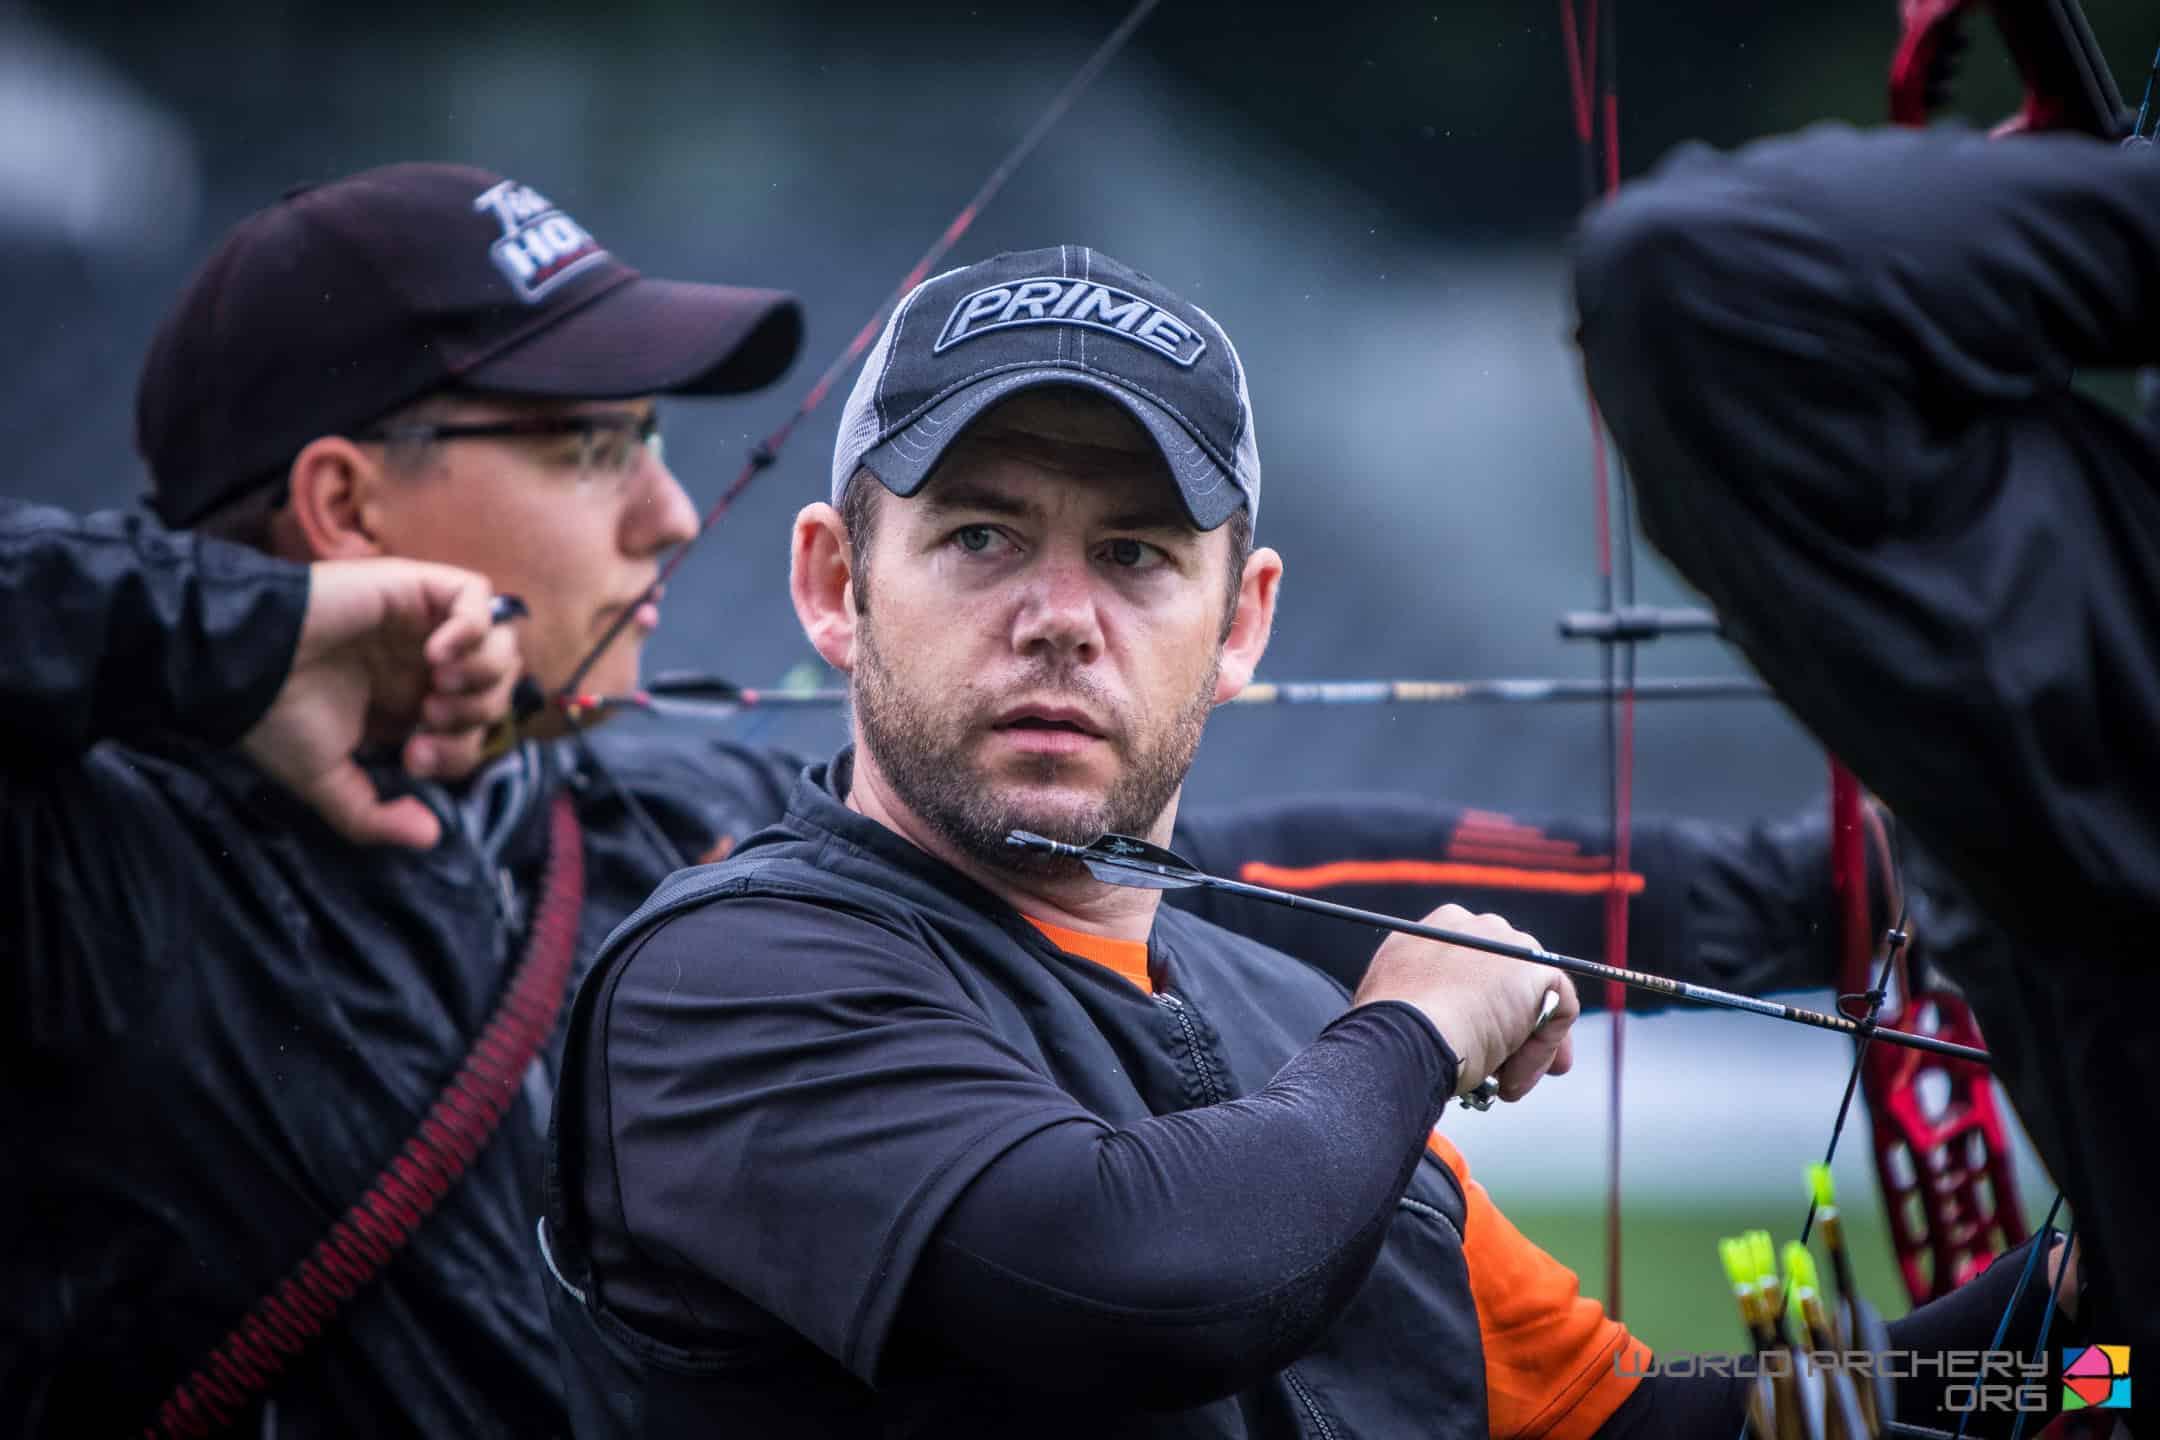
<point>905,460</point>
<point>653,337</point>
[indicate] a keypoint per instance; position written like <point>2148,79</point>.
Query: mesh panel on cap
<point>859,418</point>
<point>861,426</point>
<point>1247,458</point>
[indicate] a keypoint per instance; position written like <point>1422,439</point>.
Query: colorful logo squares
<point>2097,1378</point>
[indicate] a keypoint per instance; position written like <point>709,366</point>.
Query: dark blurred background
<point>1374,199</point>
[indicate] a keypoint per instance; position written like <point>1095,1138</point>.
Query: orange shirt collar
<point>1127,957</point>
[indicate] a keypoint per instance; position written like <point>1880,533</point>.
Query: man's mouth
<point>1050,720</point>
<point>1048,730</point>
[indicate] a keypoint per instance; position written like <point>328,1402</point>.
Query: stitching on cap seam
<point>1237,374</point>
<point>1064,273</point>
<point>1190,465</point>
<point>1087,274</point>
<point>877,396</point>
<point>1120,381</point>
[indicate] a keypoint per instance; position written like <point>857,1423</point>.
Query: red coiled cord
<point>457,1127</point>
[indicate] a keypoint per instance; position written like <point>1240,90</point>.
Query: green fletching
<point>1738,1266</point>
<point>1799,1269</point>
<point>1764,1255</point>
<point>1821,1186</point>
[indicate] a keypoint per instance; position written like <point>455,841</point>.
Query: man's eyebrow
<point>949,497</point>
<point>1156,518</point>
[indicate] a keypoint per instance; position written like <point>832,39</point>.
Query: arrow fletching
<point>1800,1275</point>
<point>1764,1254</point>
<point>1118,860</point>
<point>691,685</point>
<point>1821,1187</point>
<point>1733,1253</point>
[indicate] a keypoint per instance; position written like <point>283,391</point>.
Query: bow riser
<point>2068,85</point>
<point>1945,1167</point>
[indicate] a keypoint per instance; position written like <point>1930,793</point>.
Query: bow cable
<point>1593,89</point>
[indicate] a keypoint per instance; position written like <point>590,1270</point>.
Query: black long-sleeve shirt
<point>1842,367</point>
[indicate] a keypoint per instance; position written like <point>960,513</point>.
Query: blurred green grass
<point>1673,1293</point>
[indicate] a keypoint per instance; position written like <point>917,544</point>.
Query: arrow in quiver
<point>1789,1322</point>
<point>1859,1324</point>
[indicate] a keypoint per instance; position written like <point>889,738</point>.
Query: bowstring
<point>2137,131</point>
<point>1592,50</point>
<point>2017,1293</point>
<point>762,455</point>
<point>2047,1321</point>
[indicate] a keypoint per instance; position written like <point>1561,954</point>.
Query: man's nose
<point>659,513</point>
<point>1059,614</point>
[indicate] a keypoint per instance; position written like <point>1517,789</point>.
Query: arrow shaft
<point>1501,691</point>
<point>1592,970</point>
<point>1498,691</point>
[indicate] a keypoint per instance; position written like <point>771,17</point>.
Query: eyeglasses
<point>609,442</point>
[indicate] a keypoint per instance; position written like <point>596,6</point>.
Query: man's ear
<point>821,578</point>
<point>334,490</point>
<point>1250,627</point>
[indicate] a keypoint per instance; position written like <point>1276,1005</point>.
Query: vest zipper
<point>1312,1405</point>
<point>1202,1061</point>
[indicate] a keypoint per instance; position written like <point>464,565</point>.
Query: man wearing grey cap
<point>1026,331</point>
<point>882,1126</point>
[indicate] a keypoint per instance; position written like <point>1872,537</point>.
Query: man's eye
<point>975,538</point>
<point>1129,554</point>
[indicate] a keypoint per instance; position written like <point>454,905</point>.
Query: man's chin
<point>1073,816</point>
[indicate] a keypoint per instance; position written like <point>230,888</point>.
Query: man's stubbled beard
<point>929,768</point>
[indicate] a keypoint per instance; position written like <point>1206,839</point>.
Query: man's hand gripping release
<point>391,652</point>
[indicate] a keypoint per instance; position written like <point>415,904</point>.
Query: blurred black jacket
<point>1841,367</point>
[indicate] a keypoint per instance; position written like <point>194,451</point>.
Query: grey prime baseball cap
<point>1068,315</point>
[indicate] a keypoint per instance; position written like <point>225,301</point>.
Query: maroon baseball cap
<point>344,301</point>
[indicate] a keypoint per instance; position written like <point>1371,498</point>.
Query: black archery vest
<point>1404,1358</point>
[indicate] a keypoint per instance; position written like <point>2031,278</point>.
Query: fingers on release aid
<point>1488,1089</point>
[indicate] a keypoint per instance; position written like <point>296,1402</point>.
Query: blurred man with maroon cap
<point>305,379</point>
<point>225,1016</point>
<point>233,1005</point>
